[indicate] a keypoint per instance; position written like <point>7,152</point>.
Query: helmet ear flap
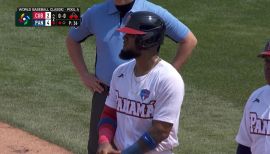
<point>145,41</point>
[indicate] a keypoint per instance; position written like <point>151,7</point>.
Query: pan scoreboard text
<point>47,16</point>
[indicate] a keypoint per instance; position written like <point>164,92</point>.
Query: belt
<point>105,87</point>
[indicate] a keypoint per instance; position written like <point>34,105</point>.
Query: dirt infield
<point>16,141</point>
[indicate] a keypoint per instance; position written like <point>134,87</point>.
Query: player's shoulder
<point>124,67</point>
<point>256,92</point>
<point>166,67</point>
<point>265,87</point>
<point>168,78</point>
<point>168,73</point>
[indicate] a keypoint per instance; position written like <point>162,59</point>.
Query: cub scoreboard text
<point>47,16</point>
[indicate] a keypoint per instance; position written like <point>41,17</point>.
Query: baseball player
<point>101,21</point>
<point>141,113</point>
<point>254,132</point>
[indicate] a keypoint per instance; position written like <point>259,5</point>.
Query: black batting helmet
<point>149,28</point>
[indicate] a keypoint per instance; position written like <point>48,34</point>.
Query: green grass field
<point>42,94</point>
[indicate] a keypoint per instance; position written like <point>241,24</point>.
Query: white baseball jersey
<point>157,95</point>
<point>254,131</point>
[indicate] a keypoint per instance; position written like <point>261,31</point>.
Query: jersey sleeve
<point>169,100</point>
<point>84,30</point>
<point>243,136</point>
<point>111,99</point>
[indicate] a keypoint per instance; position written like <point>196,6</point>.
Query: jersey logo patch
<point>121,75</point>
<point>256,100</point>
<point>144,94</point>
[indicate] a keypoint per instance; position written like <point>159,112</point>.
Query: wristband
<point>103,139</point>
<point>149,141</point>
<point>135,148</point>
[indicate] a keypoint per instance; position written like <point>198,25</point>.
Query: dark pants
<point>98,102</point>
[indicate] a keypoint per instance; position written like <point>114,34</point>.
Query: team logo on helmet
<point>144,94</point>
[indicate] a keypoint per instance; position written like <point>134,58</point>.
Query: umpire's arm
<point>184,50</point>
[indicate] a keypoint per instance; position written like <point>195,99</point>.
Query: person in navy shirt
<point>102,21</point>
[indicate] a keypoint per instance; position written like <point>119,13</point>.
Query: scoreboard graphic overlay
<point>47,16</point>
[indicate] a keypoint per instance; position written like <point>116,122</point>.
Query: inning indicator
<point>47,16</point>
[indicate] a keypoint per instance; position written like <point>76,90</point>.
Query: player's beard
<point>127,54</point>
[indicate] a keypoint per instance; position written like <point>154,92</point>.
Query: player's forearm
<point>184,50</point>
<point>76,56</point>
<point>160,130</point>
<point>150,139</point>
<point>107,125</point>
<point>146,143</point>
<point>157,133</point>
